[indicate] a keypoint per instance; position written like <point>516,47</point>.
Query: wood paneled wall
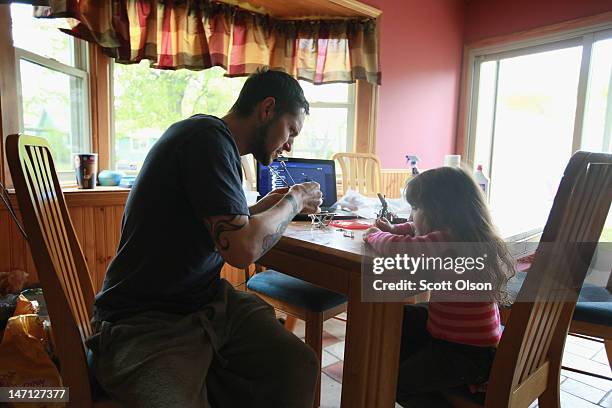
<point>96,216</point>
<point>393,181</point>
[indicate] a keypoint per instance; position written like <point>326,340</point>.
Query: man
<point>170,332</point>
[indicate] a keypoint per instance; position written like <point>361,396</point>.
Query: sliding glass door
<point>531,108</point>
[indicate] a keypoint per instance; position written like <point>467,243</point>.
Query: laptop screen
<point>300,171</point>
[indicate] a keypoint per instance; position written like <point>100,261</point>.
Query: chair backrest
<point>249,171</point>
<point>58,257</point>
<point>360,172</point>
<point>528,360</point>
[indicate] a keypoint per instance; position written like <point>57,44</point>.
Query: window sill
<point>99,197</point>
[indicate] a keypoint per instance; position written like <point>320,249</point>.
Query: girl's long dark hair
<point>451,201</point>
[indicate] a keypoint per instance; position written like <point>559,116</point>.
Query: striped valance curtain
<point>200,34</point>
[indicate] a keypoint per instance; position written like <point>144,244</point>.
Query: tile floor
<point>577,390</point>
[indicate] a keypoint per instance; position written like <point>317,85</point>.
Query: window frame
<point>350,105</point>
<point>79,70</point>
<point>585,36</point>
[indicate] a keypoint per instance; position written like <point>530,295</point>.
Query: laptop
<point>297,170</point>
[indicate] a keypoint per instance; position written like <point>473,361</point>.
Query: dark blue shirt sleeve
<point>211,173</point>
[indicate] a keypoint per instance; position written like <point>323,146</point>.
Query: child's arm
<point>382,242</point>
<point>406,228</point>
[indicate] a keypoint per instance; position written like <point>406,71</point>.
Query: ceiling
<point>300,9</point>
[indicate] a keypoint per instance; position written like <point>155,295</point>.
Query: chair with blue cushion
<point>592,315</point>
<point>302,300</point>
<point>595,319</point>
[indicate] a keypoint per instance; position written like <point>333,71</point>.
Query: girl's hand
<point>369,231</point>
<point>384,225</point>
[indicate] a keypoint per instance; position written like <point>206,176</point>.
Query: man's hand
<point>311,196</point>
<point>384,225</point>
<point>369,232</point>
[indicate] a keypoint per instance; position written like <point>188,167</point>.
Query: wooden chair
<point>249,171</point>
<point>302,300</point>
<point>527,364</point>
<point>59,261</point>
<point>360,172</point>
<point>592,316</point>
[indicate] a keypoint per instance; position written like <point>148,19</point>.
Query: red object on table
<point>351,224</point>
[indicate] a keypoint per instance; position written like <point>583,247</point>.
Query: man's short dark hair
<point>286,90</point>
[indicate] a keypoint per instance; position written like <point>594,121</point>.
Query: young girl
<point>446,344</point>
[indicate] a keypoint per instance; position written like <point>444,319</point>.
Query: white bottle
<point>482,181</point>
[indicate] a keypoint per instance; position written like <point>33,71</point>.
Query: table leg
<point>371,352</point>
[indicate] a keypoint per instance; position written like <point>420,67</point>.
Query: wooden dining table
<point>328,258</point>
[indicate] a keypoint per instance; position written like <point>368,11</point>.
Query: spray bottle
<point>412,161</point>
<point>414,171</point>
<point>482,180</point>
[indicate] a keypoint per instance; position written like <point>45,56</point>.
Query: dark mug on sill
<point>86,168</point>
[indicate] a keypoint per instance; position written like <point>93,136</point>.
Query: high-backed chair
<point>592,316</point>
<point>360,172</point>
<point>527,364</point>
<point>59,261</point>
<point>249,172</point>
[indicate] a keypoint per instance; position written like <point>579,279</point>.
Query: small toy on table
<point>385,213</point>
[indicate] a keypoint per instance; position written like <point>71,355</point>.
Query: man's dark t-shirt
<point>166,259</point>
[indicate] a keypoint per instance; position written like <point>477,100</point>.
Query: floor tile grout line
<point>584,383</point>
<point>578,396</point>
<point>601,379</point>
<point>606,395</point>
<point>578,355</point>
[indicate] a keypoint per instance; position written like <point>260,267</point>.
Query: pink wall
<point>487,18</point>
<point>421,46</point>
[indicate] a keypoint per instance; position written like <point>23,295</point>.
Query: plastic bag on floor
<point>24,361</point>
<point>24,306</point>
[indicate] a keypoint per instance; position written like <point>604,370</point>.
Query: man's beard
<point>259,145</point>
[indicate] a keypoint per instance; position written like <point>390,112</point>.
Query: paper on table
<point>368,207</point>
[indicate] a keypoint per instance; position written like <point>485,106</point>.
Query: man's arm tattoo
<point>270,240</point>
<point>230,223</point>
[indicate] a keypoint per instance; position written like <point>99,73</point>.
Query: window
<point>147,101</point>
<point>597,126</point>
<point>52,85</point>
<point>533,105</point>
<point>329,127</point>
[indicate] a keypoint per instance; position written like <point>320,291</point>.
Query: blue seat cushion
<point>594,312</point>
<point>594,303</point>
<point>294,291</point>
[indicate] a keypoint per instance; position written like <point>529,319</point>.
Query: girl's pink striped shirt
<point>472,323</point>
